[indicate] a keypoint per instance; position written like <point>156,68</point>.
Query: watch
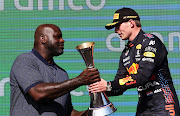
<point>108,87</point>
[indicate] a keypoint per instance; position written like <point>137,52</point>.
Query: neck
<point>134,33</point>
<point>44,54</point>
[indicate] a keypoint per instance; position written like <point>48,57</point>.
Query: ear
<point>132,23</point>
<point>43,39</point>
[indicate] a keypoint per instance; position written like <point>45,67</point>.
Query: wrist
<point>78,81</point>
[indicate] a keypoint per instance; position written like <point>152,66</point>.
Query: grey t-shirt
<point>28,70</point>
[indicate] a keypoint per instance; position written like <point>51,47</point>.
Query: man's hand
<point>89,76</point>
<point>98,86</point>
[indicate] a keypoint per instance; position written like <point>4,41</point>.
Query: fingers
<point>93,79</point>
<point>92,69</point>
<point>89,76</point>
<point>98,87</point>
<point>94,75</point>
<point>94,84</point>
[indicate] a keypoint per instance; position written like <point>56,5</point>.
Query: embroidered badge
<point>150,36</point>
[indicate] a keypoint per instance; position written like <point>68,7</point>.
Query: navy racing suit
<point>143,65</point>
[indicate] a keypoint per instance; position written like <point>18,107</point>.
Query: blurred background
<point>83,21</point>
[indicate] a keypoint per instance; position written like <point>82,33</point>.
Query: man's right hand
<point>89,76</point>
<point>98,86</point>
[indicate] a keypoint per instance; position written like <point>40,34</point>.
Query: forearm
<point>50,91</point>
<point>133,80</point>
<point>115,92</point>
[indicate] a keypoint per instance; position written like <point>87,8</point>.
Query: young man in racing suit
<point>143,64</point>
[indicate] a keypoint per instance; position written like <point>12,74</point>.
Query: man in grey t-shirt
<point>39,87</point>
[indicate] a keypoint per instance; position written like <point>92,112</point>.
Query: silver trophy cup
<point>99,102</point>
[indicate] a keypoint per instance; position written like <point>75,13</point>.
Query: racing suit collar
<point>134,42</point>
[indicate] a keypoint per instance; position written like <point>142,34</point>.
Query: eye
<point>58,36</point>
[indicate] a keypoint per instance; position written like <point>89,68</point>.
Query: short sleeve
<point>25,72</point>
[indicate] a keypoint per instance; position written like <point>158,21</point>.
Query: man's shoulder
<point>147,37</point>
<point>150,39</point>
<point>24,56</point>
<point>23,59</point>
<point>28,54</point>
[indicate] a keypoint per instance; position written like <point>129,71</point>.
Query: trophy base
<point>102,111</point>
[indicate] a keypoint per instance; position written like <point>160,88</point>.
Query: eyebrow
<point>58,34</point>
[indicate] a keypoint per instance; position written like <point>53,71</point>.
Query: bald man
<point>39,87</point>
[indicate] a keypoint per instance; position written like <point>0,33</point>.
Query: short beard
<point>54,51</point>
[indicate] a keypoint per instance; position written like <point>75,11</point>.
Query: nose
<point>116,30</point>
<point>62,40</point>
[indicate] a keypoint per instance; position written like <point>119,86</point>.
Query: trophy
<point>99,102</point>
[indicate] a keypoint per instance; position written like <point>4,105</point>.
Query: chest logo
<point>138,46</point>
<point>149,54</point>
<point>151,42</point>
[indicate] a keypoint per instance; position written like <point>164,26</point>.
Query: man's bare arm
<point>50,91</point>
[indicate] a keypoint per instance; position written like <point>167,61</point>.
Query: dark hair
<point>138,23</point>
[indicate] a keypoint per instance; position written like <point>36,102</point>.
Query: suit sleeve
<point>121,73</point>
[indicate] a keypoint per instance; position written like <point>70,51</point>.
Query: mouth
<point>61,46</point>
<point>120,34</point>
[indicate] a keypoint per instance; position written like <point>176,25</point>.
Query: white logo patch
<point>148,59</point>
<point>150,49</point>
<point>151,42</point>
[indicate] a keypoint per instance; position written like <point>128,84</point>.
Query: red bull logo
<point>133,68</point>
<point>128,81</point>
<point>125,80</point>
<point>131,83</point>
